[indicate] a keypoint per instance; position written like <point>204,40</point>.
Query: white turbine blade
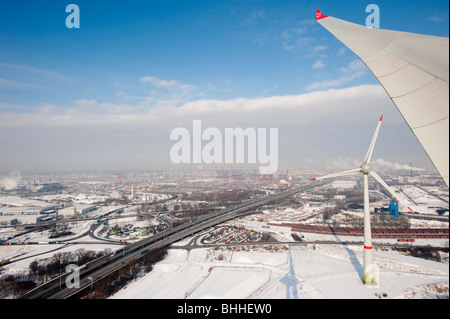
<point>391,191</point>
<point>372,144</point>
<point>414,71</point>
<point>380,180</point>
<point>345,173</point>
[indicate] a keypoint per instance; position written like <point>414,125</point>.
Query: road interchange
<point>105,265</point>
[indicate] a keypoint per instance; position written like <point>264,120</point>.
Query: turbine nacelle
<point>365,168</point>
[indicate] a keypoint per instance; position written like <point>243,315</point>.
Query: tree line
<point>42,270</point>
<point>115,281</point>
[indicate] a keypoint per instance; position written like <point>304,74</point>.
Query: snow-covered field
<point>285,272</point>
<point>425,200</point>
<point>315,271</point>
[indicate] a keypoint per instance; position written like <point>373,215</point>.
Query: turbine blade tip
<point>381,118</point>
<point>319,15</point>
<point>313,179</point>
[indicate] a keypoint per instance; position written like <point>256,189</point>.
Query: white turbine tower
<point>368,267</point>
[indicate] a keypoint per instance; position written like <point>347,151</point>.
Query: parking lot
<point>231,234</point>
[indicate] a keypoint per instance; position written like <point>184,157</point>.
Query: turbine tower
<point>368,267</point>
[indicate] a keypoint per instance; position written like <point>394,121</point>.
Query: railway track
<point>399,233</point>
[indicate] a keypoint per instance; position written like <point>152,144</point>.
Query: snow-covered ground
<point>281,271</point>
<point>423,200</point>
<point>26,254</point>
<point>293,270</point>
<point>286,272</point>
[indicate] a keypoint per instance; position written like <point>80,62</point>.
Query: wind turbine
<point>368,267</point>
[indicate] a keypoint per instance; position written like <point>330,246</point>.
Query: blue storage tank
<point>393,209</point>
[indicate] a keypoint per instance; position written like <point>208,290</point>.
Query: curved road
<point>97,269</point>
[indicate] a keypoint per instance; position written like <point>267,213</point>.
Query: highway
<point>103,266</point>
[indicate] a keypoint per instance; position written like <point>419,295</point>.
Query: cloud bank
<point>86,134</point>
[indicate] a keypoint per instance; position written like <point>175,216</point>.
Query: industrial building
<point>12,205</point>
<point>76,209</point>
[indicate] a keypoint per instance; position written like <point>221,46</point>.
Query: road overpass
<point>103,266</point>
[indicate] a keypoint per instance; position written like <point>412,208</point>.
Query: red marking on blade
<point>381,118</point>
<point>410,209</point>
<point>313,179</point>
<point>319,15</point>
<point>367,247</point>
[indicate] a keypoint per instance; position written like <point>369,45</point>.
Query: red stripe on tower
<point>367,247</point>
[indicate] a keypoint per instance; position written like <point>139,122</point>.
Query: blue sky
<point>131,57</point>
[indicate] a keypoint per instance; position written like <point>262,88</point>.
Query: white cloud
<point>159,83</point>
<point>29,70</point>
<point>86,103</point>
<point>7,106</point>
<point>298,109</point>
<point>319,64</point>
<point>436,19</point>
<point>176,88</point>
<point>22,85</point>
<point>91,134</point>
<point>254,18</point>
<point>354,70</point>
<point>341,51</point>
<point>319,48</point>
<point>293,38</point>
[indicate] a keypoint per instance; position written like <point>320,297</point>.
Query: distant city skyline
<point>107,95</point>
